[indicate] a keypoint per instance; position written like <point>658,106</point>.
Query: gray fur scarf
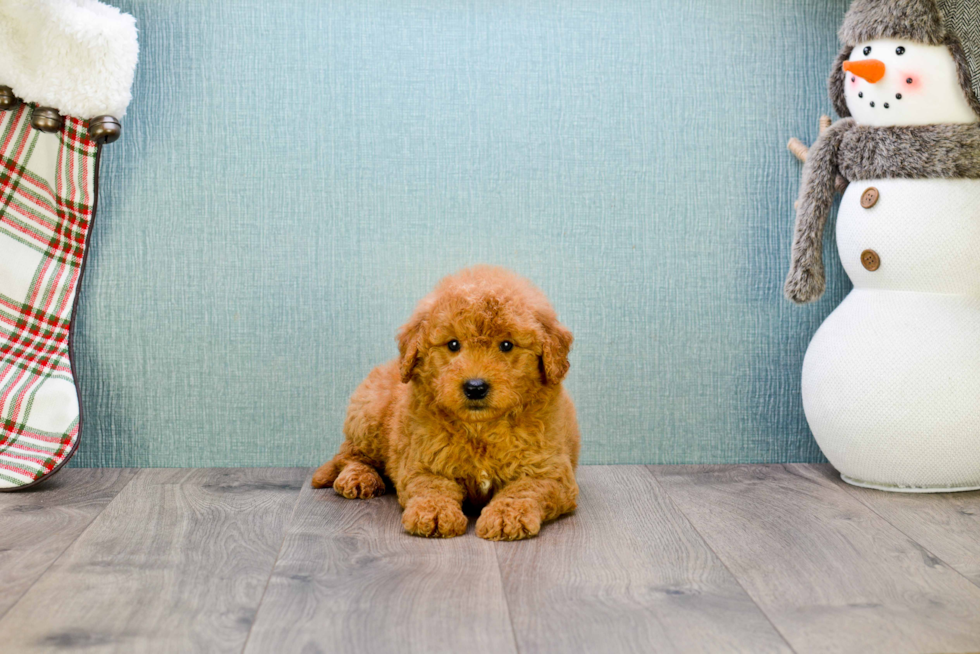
<point>859,152</point>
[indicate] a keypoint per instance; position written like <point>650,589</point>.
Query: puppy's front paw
<point>359,482</point>
<point>509,519</point>
<point>437,517</point>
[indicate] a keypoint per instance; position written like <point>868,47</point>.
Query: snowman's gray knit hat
<point>953,23</point>
<point>914,20</point>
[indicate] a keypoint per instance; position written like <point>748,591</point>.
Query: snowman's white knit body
<point>891,380</point>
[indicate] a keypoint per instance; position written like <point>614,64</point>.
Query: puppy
<point>472,410</point>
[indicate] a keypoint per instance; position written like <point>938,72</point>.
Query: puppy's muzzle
<point>475,389</point>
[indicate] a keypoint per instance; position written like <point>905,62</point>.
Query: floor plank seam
<point>68,546</point>
<point>510,618</point>
<point>853,493</point>
<point>670,498</point>
<point>275,562</point>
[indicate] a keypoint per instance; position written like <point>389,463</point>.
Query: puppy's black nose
<point>475,389</point>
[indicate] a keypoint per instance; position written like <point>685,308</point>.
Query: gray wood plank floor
<point>656,559</point>
<point>627,573</point>
<point>348,573</point>
<point>831,575</point>
<point>37,526</point>
<point>947,524</point>
<point>177,562</point>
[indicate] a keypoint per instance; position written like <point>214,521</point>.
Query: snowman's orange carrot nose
<point>869,69</point>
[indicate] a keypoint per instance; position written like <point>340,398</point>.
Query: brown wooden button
<point>870,260</point>
<point>870,197</point>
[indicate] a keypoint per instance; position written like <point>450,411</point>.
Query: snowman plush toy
<point>891,380</point>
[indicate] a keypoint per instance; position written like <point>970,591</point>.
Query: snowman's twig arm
<point>806,282</point>
<point>798,148</point>
<point>801,151</point>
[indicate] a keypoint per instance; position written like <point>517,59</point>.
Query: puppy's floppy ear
<point>555,347</point>
<point>409,340</point>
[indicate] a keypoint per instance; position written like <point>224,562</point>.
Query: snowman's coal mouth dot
<point>886,105</point>
<point>860,95</point>
<point>872,105</point>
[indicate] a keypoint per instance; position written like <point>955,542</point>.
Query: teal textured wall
<point>294,175</point>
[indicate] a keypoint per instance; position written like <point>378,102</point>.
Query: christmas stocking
<point>66,67</point>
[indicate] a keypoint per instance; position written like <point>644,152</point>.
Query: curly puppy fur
<point>514,451</point>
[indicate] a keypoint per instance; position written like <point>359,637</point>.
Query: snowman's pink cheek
<point>911,82</point>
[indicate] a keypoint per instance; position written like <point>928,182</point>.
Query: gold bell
<point>104,129</point>
<point>7,98</point>
<point>47,119</point>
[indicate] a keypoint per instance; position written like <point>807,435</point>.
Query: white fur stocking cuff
<point>77,56</point>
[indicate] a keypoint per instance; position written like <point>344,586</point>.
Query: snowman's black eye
<point>900,50</point>
<point>453,345</point>
<point>867,51</point>
<point>506,346</point>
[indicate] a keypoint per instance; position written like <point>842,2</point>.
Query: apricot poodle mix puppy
<point>473,410</point>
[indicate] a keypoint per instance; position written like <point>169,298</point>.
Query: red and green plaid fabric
<point>47,198</point>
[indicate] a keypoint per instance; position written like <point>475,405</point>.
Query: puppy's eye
<point>453,345</point>
<point>900,50</point>
<point>867,51</point>
<point>506,346</point>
